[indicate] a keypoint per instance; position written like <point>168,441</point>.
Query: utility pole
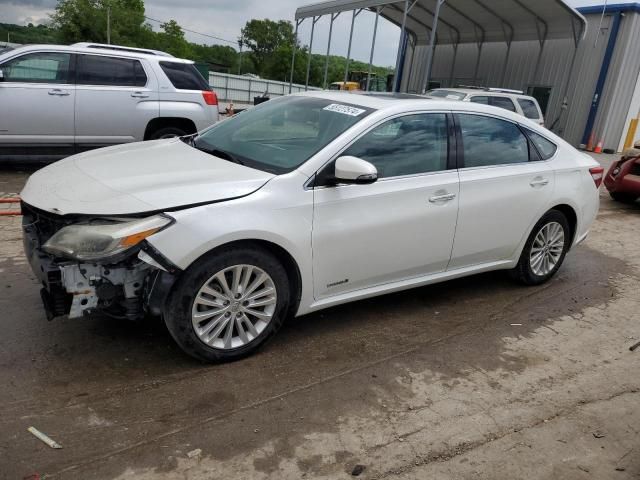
<point>240,62</point>
<point>109,24</point>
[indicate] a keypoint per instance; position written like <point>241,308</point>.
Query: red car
<point>623,178</point>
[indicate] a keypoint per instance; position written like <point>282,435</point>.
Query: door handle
<point>58,92</point>
<point>442,198</point>
<point>539,183</point>
<point>139,95</point>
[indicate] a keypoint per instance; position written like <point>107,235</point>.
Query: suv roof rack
<point>104,46</point>
<point>493,89</point>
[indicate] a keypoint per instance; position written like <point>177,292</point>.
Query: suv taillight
<point>210,98</point>
<point>597,173</point>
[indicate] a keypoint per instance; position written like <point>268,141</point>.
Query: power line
<point>197,33</point>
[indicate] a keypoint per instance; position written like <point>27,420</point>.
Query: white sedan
<point>301,203</point>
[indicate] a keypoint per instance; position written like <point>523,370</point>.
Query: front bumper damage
<point>128,286</point>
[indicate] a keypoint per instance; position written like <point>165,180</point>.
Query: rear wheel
<point>545,249</point>
<point>167,132</point>
<point>623,197</point>
<point>228,304</point>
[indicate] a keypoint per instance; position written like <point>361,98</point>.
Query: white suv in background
<point>512,100</point>
<point>59,100</point>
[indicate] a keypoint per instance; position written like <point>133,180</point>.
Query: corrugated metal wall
<point>242,89</point>
<point>554,71</point>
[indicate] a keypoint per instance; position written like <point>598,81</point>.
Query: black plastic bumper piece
<point>158,291</point>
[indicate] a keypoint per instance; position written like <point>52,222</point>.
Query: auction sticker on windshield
<point>345,109</point>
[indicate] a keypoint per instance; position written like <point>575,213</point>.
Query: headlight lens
<point>93,242</point>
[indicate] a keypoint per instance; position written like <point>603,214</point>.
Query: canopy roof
<point>470,21</point>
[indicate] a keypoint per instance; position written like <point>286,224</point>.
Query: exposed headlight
<point>93,242</point>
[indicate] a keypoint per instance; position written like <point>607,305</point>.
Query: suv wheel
<point>227,305</point>
<point>167,132</point>
<point>545,249</point>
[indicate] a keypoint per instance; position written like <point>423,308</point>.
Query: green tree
<point>86,21</point>
<point>172,40</point>
<point>268,41</point>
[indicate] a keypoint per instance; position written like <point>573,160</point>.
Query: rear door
<point>505,188</point>
<point>36,104</point>
<point>116,97</point>
<point>399,227</point>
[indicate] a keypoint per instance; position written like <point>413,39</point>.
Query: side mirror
<point>354,170</point>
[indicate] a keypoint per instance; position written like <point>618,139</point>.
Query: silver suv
<point>59,100</point>
<point>512,100</point>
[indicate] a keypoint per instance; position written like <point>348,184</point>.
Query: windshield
<point>448,94</point>
<point>280,135</point>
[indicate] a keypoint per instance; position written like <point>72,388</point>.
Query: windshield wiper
<point>216,152</point>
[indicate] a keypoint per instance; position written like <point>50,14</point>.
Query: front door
<point>37,97</point>
<point>401,226</point>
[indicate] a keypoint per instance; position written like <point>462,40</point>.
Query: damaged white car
<point>298,204</point>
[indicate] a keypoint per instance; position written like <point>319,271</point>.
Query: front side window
<point>280,135</point>
<point>406,145</point>
<point>42,67</point>
<point>491,141</point>
<point>529,108</point>
<point>184,76</point>
<point>110,71</point>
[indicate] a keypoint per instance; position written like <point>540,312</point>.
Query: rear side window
<point>545,148</point>
<point>407,145</point>
<point>502,102</point>
<point>110,71</point>
<point>481,100</point>
<point>490,141</point>
<point>529,109</point>
<point>184,76</point>
<point>41,67</point>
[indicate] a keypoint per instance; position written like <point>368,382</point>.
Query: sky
<point>225,18</point>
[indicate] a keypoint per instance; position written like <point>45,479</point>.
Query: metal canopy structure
<point>454,22</point>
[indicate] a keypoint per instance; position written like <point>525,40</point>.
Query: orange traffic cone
<point>598,148</point>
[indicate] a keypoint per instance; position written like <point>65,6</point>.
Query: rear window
<point>529,109</point>
<point>101,70</point>
<point>184,76</point>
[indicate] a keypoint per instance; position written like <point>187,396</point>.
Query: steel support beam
<point>373,45</point>
<point>293,55</point>
<point>326,61</point>
<point>313,26</point>
<point>479,43</point>
<point>346,68</point>
<point>432,42</point>
<point>396,78</point>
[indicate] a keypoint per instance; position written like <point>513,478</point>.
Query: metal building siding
<point>554,71</point>
<point>623,75</point>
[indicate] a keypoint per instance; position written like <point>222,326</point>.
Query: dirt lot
<point>471,379</point>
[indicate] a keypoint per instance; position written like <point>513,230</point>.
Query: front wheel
<point>545,249</point>
<point>228,304</point>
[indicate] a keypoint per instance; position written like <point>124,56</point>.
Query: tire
<point>623,197</point>
<point>537,269</point>
<point>167,132</point>
<point>188,318</point>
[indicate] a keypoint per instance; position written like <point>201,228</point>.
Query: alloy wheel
<point>234,306</point>
<point>547,248</point>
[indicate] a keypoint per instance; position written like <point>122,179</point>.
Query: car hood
<point>137,178</point>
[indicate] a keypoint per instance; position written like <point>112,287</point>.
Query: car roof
<point>392,103</point>
<point>94,51</point>
<point>483,93</point>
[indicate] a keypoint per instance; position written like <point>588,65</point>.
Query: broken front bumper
<point>128,286</point>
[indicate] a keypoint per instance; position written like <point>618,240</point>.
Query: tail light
<point>597,173</point>
<point>210,97</point>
